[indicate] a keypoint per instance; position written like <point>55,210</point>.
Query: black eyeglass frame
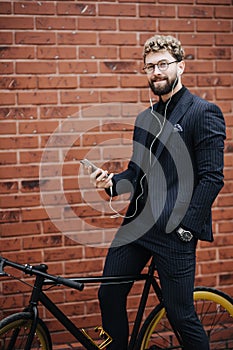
<point>152,66</point>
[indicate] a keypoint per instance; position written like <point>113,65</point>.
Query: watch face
<point>185,236</point>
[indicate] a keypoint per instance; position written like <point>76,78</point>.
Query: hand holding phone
<point>88,164</point>
<point>103,179</point>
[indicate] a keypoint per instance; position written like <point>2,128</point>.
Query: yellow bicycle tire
<point>23,321</point>
<point>201,294</point>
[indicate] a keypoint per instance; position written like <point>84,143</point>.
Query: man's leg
<point>125,260</point>
<point>176,267</point>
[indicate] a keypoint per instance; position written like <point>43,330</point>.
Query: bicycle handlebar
<point>39,271</point>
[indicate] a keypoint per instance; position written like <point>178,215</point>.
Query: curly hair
<point>162,42</point>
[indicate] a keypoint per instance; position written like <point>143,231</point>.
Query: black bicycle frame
<point>39,296</point>
<point>42,278</point>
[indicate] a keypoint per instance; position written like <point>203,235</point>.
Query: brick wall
<point>71,85</point>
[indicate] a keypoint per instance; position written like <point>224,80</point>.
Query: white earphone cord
<point>117,214</point>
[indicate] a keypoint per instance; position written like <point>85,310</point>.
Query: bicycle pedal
<point>107,339</point>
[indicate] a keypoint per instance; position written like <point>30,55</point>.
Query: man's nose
<point>156,70</point>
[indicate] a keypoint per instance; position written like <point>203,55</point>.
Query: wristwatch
<point>184,235</point>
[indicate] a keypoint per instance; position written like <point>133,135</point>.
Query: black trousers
<point>175,261</point>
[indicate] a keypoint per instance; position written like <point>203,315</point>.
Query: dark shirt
<point>155,127</point>
<point>171,105</point>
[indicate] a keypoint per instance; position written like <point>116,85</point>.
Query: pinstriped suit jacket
<point>185,171</point>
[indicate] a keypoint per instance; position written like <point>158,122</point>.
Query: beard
<point>165,88</point>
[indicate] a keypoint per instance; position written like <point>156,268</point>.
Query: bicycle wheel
<point>215,311</point>
<point>14,331</point>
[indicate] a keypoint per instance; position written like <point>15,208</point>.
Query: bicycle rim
<point>214,309</point>
<point>14,332</point>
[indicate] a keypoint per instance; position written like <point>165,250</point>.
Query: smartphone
<point>88,164</point>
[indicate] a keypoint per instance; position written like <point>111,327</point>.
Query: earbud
<point>151,103</point>
<point>179,71</point>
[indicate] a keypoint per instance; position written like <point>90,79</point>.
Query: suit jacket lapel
<point>175,116</point>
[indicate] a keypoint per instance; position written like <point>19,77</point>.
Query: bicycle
<point>26,330</point>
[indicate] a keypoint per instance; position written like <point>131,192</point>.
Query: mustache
<point>154,80</point>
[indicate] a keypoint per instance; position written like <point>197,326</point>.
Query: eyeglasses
<point>162,66</point>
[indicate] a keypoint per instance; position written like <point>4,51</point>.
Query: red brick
<point>6,67</point>
<point>83,266</point>
<point>35,7</point>
<point>225,201</point>
<point>35,67</point>
<point>57,112</point>
<point>213,80</point>
<point>226,226</point>
<point>16,23</point>
<point>212,2</point>
<point>222,214</point>
<point>77,67</point>
<point>63,254</point>
<point>96,24</point>
<point>224,94</point>
<point>199,67</point>
<point>37,127</point>
<point>65,23</point>
<point>98,81</point>
<point>79,97</point>
<point>133,81</point>
<point>119,67</point>
<point>18,113</point>
<point>8,187</point>
<point>7,98</point>
<point>37,98</point>
<point>10,244</point>
<point>17,52</point>
<point>157,11</point>
<point>176,25</point>
<point>228,159</point>
<point>76,38</point>
<point>97,52</point>
<point>6,38</point>
<point>213,26</point>
<point>175,1</point>
<point>117,10</point>
<point>117,39</point>
<point>224,66</point>
<point>16,82</point>
<point>8,158</point>
<point>214,53</point>
<point>60,82</point>
<point>224,39</point>
<point>10,172</point>
<point>5,7</point>
<point>195,11</point>
<point>41,241</point>
<point>19,229</point>
<point>118,96</point>
<point>131,53</point>
<point>196,39</point>
<point>35,38</point>
<point>8,128</point>
<point>215,267</point>
<point>224,11</point>
<point>45,52</point>
<point>148,25</point>
<point>69,8</point>
<point>9,216</point>
<point>226,253</point>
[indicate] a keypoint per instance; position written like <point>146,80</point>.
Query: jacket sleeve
<point>209,135</point>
